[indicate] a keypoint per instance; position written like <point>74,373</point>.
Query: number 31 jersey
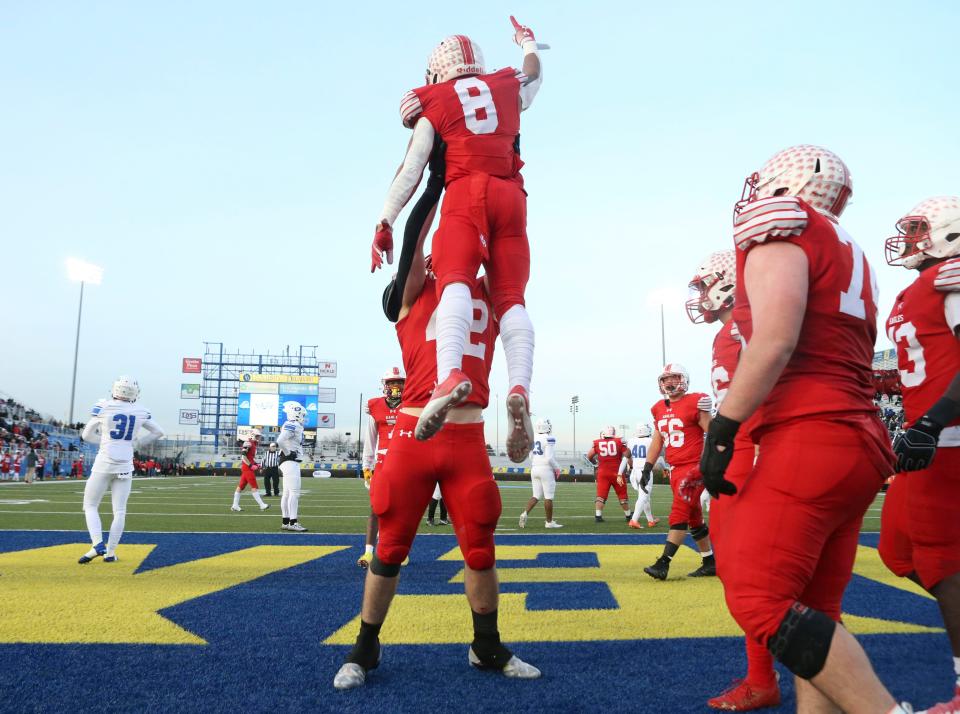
<point>120,422</point>
<point>478,117</point>
<point>678,422</point>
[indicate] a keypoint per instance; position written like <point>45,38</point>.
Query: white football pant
<point>436,493</point>
<point>120,485</point>
<point>543,481</point>
<point>290,499</point>
<point>705,501</point>
<point>643,499</point>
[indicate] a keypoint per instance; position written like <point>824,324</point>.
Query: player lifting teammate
<point>115,424</point>
<point>806,310</point>
<point>544,472</point>
<point>483,217</point>
<point>920,531</point>
<point>680,419</point>
<point>383,415</point>
<point>248,472</point>
<point>714,288</point>
<point>606,454</point>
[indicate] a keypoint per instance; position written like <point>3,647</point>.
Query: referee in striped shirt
<point>271,470</point>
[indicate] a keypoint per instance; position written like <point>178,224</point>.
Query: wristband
<point>529,47</point>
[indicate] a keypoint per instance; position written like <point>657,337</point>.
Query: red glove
<point>690,489</point>
<point>382,243</point>
<point>255,467</point>
<point>521,33</point>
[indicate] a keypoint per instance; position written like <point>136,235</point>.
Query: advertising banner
<point>326,421</point>
<point>328,369</point>
<point>191,365</point>
<point>326,395</point>
<point>189,391</point>
<point>190,417</point>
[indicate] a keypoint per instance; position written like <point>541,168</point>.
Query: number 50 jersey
<point>120,422</point>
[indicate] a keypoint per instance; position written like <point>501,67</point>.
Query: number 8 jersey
<point>119,423</point>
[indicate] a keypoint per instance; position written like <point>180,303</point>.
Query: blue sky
<point>225,163</point>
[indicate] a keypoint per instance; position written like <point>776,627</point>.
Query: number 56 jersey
<point>120,422</point>
<point>678,422</point>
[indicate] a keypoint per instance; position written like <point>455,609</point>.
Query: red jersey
<point>610,453</point>
<point>478,117</point>
<point>249,450</point>
<point>417,333</point>
<point>829,373</point>
<point>384,416</point>
<point>5,464</point>
<point>726,355</point>
<point>678,422</point>
<point>921,326</point>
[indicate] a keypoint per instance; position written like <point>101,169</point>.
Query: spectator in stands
<point>55,469</point>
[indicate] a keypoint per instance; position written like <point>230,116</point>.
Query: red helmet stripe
<point>467,48</point>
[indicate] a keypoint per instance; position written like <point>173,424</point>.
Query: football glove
<point>717,452</point>
<point>382,244</point>
<point>367,476</point>
<point>645,477</point>
<point>916,447</point>
<point>523,34</point>
<point>690,488</point>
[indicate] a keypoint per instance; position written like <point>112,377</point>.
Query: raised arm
<point>531,72</point>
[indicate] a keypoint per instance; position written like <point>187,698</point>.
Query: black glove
<point>916,447</point>
<point>645,477</point>
<point>714,460</point>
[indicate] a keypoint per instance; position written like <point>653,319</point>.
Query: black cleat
<point>627,518</point>
<point>660,569</point>
<point>598,519</point>
<point>705,570</point>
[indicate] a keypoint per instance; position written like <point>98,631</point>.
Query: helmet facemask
<point>393,392</point>
<point>931,231</point>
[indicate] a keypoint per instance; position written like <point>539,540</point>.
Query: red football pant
<point>682,511</point>
<point>607,480</point>
<point>456,458</point>
<point>247,477</point>
<point>932,523</point>
<point>483,220</point>
<point>795,523</point>
<point>896,550</point>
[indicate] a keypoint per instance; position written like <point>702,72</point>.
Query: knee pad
<point>386,570</point>
<point>678,527</point>
<point>700,532</point>
<point>624,501</point>
<point>802,642</point>
<point>600,500</point>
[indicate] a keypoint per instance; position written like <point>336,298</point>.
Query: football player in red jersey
<point>920,531</point>
<point>806,310</point>
<point>248,472</point>
<point>456,459</point>
<point>680,420</point>
<point>383,415</point>
<point>606,454</point>
<point>483,217</point>
<point>714,287</point>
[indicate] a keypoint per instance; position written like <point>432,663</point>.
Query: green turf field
<point>202,503</point>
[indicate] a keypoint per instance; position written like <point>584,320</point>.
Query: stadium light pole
<point>82,272</point>
<point>497,411</point>
<point>663,338</point>
<point>574,408</point>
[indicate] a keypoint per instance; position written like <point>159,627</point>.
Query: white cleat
<point>515,668</point>
<point>296,527</point>
<point>520,428</point>
<point>523,519</point>
<point>285,527</point>
<point>552,524</point>
<point>264,506</point>
<point>350,676</point>
<point>236,509</point>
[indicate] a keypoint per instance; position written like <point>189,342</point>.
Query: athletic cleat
<point>350,676</point>
<point>431,522</point>
<point>515,668</point>
<point>705,570</point>
<point>455,389</point>
<point>627,518</point>
<point>406,561</point>
<point>552,524</point>
<point>520,437</point>
<point>95,552</point>
<point>265,506</point>
<point>285,527</point>
<point>653,523</point>
<point>660,569</point>
<point>444,522</point>
<point>742,697</point>
<point>110,559</point>
<point>236,509</point>
<point>598,519</point>
<point>634,524</point>
<point>299,528</point>
<point>523,519</point>
<point>951,707</point>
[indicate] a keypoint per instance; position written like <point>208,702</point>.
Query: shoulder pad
<point>948,276</point>
<point>705,403</point>
<point>769,218</point>
<point>410,109</point>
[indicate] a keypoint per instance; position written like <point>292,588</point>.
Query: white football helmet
<point>392,383</point>
<point>929,230</point>
<point>455,56</point>
<point>255,435</point>
<point>295,411</point>
<point>544,426</point>
<point>812,173</point>
<point>643,431</point>
<point>677,390</point>
<point>126,389</point>
<point>712,287</point>
<point>608,432</point>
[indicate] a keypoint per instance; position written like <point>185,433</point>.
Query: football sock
<point>236,499</point>
<point>760,671</point>
<point>708,558</point>
<point>670,550</point>
<point>956,669</point>
<point>292,521</point>
<point>432,509</point>
<point>92,553</point>
<point>366,650</point>
<point>454,315</point>
<point>369,551</point>
<point>93,524</point>
<point>286,521</point>
<point>706,554</point>
<point>256,497</point>
<point>443,511</point>
<point>626,512</point>
<point>598,512</point>
<point>516,334</point>
<point>486,641</point>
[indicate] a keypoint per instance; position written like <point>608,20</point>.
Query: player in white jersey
<point>115,424</point>
<point>290,443</point>
<point>638,445</point>
<point>543,473</point>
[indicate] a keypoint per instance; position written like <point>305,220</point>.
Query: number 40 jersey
<point>119,423</point>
